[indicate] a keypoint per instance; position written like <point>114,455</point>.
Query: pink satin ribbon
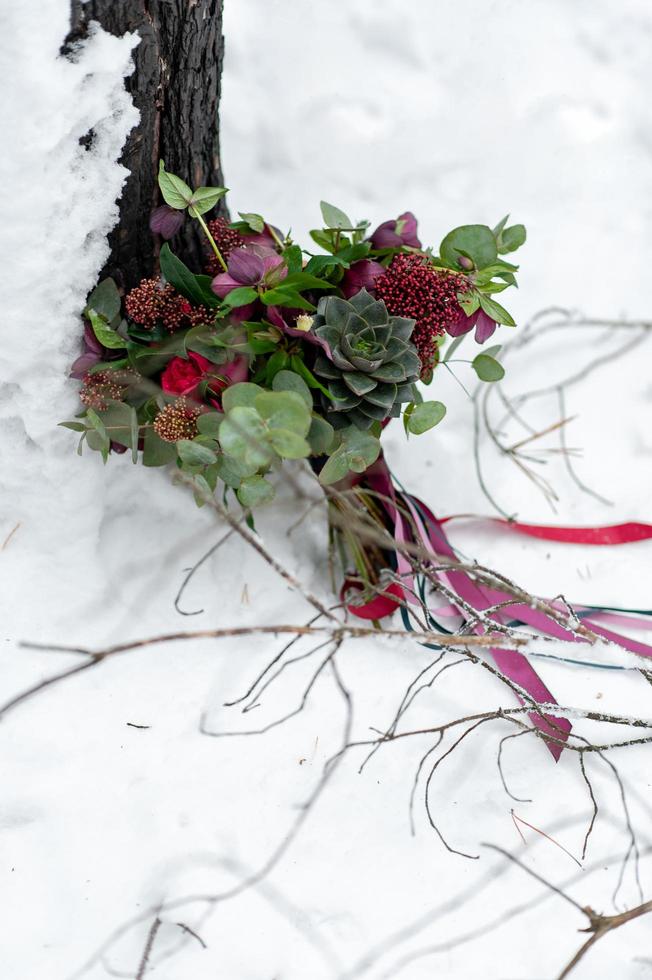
<point>514,665</point>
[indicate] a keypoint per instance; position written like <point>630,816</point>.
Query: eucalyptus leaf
<point>243,435</point>
<point>289,381</point>
<point>320,436</point>
<point>288,444</point>
<point>487,368</point>
<point>254,491</point>
<point>425,416</point>
<point>243,393</point>
<point>208,424</point>
<point>156,451</point>
<point>335,468</point>
<point>284,410</point>
<point>194,453</point>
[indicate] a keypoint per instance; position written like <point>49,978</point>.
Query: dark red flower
<point>412,287</point>
<point>183,377</point>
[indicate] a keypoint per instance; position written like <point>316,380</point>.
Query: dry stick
<point>599,925</point>
<point>191,571</point>
<point>10,536</point>
<point>499,763</point>
<point>497,922</point>
<point>156,924</point>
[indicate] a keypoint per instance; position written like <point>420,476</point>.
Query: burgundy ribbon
<point>429,531</point>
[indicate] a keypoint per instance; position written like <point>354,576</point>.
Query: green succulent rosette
<point>371,363</point>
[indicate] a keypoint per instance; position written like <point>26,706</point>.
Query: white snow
<point>460,113</point>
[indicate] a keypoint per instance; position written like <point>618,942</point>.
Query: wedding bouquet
<point>274,352</point>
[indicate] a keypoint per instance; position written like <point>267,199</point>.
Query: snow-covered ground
<point>461,113</point>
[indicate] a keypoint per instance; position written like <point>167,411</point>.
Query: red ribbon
<point>606,534</point>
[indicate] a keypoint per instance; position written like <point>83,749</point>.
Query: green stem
<point>212,242</point>
<point>275,237</point>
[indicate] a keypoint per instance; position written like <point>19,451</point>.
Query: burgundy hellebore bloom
<point>166,221</point>
<point>361,275</point>
<point>395,234</point>
<point>251,265</point>
<point>279,316</point>
<point>484,325</point>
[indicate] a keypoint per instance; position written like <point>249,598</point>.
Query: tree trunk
<point>176,87</point>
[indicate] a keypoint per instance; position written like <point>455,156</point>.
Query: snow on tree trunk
<point>176,88</point>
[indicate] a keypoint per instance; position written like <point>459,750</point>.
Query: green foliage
<point>487,367</point>
<point>289,381</point>
<point>204,199</point>
<point>357,450</point>
<point>260,426</point>
<point>175,191</point>
<point>255,222</point>
<point>333,217</point>
<point>105,333</point>
<point>254,491</point>
<point>184,281</point>
<point>105,301</point>
<point>474,242</point>
<point>425,416</point>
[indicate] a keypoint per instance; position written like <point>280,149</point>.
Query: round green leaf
<point>487,368</point>
<point>288,444</point>
<point>255,490</point>
<point>194,453</point>
<point>284,410</point>
<point>425,416</point>
<point>243,435</point>
<point>243,393</point>
<point>289,381</point>
<point>320,435</point>
<point>335,468</point>
<point>209,424</point>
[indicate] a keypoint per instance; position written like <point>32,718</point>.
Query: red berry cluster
<point>150,303</point>
<point>177,421</point>
<point>411,287</point>
<point>226,239</point>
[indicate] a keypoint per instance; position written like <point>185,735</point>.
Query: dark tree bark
<point>176,87</point>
